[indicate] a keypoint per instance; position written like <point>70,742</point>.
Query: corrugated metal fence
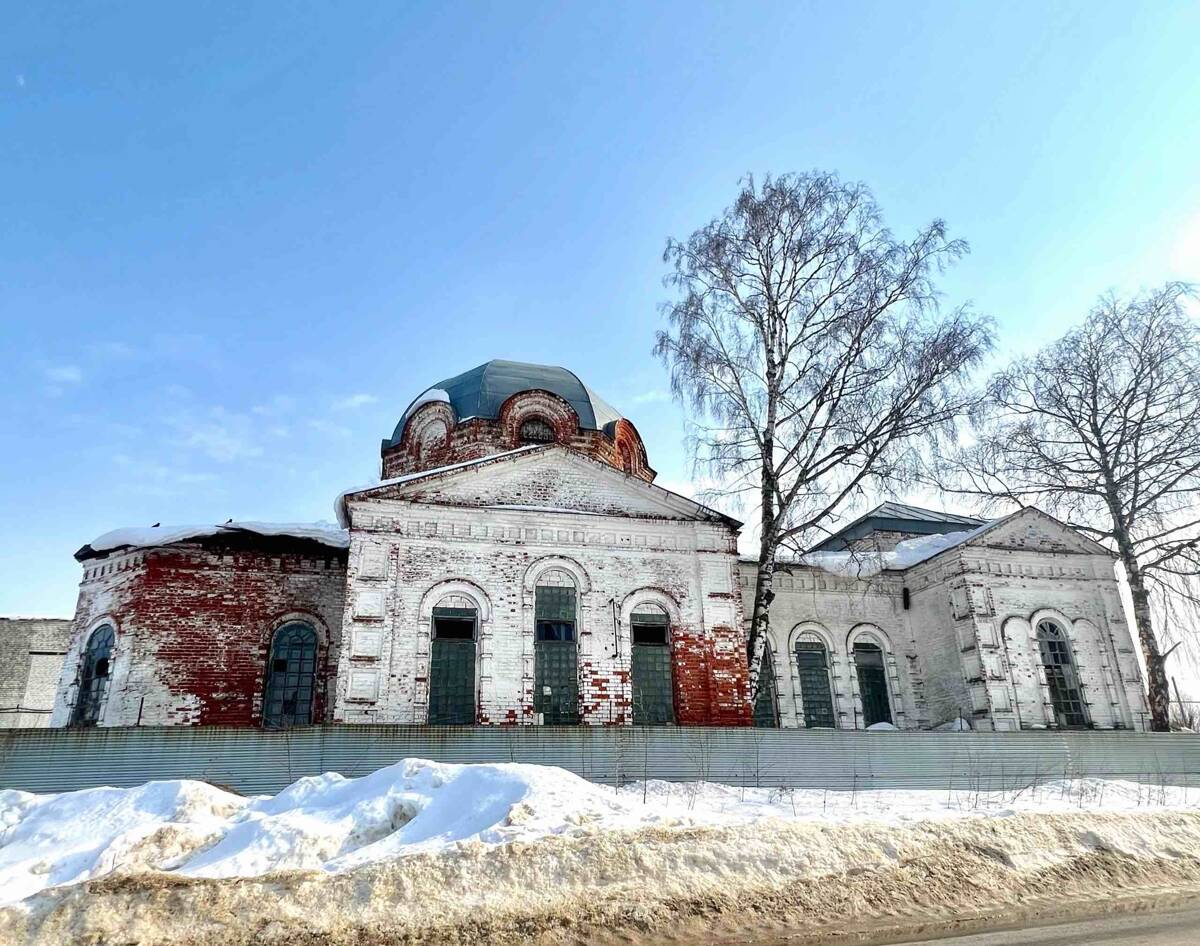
<point>251,760</point>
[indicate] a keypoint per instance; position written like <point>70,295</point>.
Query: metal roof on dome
<point>481,391</point>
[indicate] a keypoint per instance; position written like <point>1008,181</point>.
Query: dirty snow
<point>332,824</point>
<point>152,536</point>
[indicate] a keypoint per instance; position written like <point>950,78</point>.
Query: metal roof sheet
<point>481,392</point>
<point>898,517</point>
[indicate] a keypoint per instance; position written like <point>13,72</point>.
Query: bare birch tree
<point>808,341</point>
<point>1102,428</point>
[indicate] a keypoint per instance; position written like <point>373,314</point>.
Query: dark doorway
<point>452,667</point>
<point>872,684</point>
<point>650,668</point>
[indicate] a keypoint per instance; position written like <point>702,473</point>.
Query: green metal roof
<point>481,391</point>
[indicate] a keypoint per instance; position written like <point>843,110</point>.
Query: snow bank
<point>422,852</point>
<point>151,536</point>
<point>331,824</point>
<point>909,552</point>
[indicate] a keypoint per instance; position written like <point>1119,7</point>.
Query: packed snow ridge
<point>333,824</point>
<point>152,536</point>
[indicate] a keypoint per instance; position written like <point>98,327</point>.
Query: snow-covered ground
<point>333,824</point>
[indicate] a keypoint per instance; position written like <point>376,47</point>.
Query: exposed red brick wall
<point>196,621</point>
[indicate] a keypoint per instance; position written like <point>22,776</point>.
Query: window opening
<point>766,702</point>
<point>291,681</point>
<point>812,666</point>
<point>1061,677</point>
<point>872,684</point>
<point>556,659</point>
<point>650,667</point>
<point>536,430</point>
<point>452,690</point>
<point>94,677</point>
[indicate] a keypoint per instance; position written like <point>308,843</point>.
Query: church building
<point>517,565</point>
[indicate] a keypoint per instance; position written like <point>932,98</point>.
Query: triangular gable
<point>551,478</point>
<point>1032,530</point>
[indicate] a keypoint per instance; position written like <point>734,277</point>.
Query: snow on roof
<point>152,536</point>
<point>906,554</point>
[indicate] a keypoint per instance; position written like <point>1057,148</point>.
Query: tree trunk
<point>760,619</point>
<point>1157,687</point>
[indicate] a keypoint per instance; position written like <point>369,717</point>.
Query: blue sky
<point>237,239</point>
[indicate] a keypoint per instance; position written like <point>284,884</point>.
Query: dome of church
<point>482,391</point>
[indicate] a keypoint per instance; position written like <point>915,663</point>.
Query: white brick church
<point>517,565</point>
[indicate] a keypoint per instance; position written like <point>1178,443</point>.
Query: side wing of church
<point>518,566</point>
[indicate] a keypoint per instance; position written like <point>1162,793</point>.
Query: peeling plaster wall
<point>31,660</point>
<point>193,626</point>
<point>839,611</point>
<point>405,556</point>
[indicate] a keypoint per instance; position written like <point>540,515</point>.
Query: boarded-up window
<point>766,702</point>
<point>816,698</point>
<point>291,677</point>
<point>556,657</point>
<point>94,674</point>
<point>650,666</point>
<point>1061,677</point>
<point>872,684</point>
<point>452,666</point>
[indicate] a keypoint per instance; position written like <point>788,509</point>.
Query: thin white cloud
<point>650,397</point>
<point>353,401</point>
<point>278,405</point>
<point>64,374</point>
<point>115,351</point>
<point>329,428</point>
<point>220,435</point>
<point>20,80</point>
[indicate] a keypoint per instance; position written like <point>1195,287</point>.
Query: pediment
<point>552,479</point>
<point>1032,530</point>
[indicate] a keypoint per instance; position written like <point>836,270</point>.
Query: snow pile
<point>152,536</point>
<point>333,824</point>
<point>427,852</point>
<point>324,822</point>
<point>909,552</point>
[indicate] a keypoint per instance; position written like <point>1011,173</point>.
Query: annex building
<point>517,565</point>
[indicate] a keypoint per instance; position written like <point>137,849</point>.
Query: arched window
<point>766,701</point>
<point>556,657</point>
<point>94,674</point>
<point>536,430</point>
<point>291,677</point>
<point>453,633</point>
<point>1061,677</point>
<point>812,667</point>
<point>650,666</point>
<point>872,683</point>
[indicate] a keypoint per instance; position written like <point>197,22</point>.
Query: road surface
<point>1181,928</point>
